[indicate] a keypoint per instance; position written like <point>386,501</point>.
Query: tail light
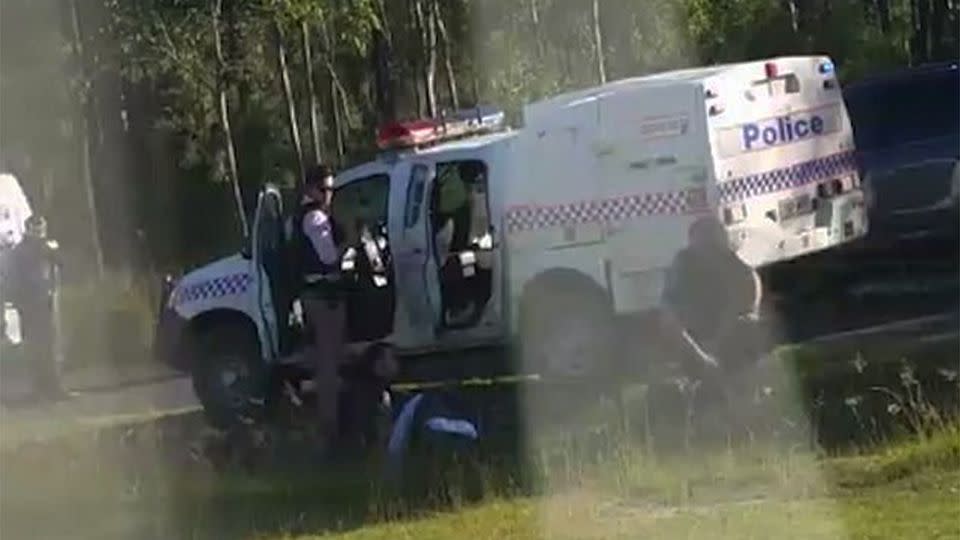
<point>734,214</point>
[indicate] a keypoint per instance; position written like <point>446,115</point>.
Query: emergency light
<point>426,131</point>
<point>770,69</point>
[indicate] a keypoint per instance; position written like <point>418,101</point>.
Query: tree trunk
<point>233,49</point>
<point>447,56</point>
<point>330,61</point>
<point>426,22</point>
<point>284,74</point>
<point>85,110</point>
<point>883,12</point>
<point>940,18</point>
<point>924,37</point>
<point>537,32</point>
<point>216,11</point>
<point>311,90</point>
<point>383,78</point>
<point>920,18</point>
<point>598,44</point>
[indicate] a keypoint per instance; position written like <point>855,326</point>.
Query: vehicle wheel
<point>229,376</point>
<point>567,333</point>
<point>567,337</point>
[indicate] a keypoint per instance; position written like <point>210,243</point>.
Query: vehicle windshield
<point>635,269</point>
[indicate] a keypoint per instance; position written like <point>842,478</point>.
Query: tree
<point>311,92</point>
<point>283,74</point>
<point>451,75</point>
<point>86,110</point>
<point>216,9</point>
<point>598,44</point>
<point>426,21</point>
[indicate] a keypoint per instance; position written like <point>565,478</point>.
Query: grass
<point>585,479</point>
<point>908,490</point>
<point>144,483</point>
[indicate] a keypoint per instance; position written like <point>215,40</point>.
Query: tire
<point>567,332</point>
<point>229,376</point>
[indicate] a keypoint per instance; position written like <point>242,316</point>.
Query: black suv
<point>907,130</point>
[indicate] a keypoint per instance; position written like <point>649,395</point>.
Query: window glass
<point>460,196</point>
<point>900,112</point>
<point>362,202</point>
<point>415,190</point>
<point>269,226</point>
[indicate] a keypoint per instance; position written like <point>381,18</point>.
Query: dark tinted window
<point>911,109</point>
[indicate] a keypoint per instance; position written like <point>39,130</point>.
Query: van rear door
<point>780,139</point>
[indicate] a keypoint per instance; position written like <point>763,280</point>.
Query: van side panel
<point>547,223</point>
<point>653,175</point>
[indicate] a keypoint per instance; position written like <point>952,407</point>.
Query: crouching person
<point>365,401</point>
<point>433,444</point>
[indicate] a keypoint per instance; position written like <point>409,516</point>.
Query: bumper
<point>838,221</point>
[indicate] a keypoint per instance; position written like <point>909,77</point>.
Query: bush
<point>108,322</point>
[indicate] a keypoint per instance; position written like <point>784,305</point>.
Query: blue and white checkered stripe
<point>214,288</point>
<point>526,218</point>
<point>794,176</point>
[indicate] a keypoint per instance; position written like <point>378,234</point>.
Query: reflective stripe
<point>452,426</point>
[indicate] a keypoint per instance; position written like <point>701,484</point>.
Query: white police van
<point>545,237</point>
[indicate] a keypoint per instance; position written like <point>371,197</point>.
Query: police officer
<point>33,282</point>
<point>322,296</point>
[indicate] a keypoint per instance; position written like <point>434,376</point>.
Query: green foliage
<point>501,51</point>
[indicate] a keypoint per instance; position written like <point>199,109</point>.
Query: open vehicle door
<point>267,266</point>
<point>415,267</point>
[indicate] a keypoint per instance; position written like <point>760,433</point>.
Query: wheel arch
<point>561,278</point>
<point>204,322</point>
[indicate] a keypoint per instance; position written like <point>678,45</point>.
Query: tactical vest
<point>308,261</point>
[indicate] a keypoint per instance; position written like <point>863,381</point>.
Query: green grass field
<point>588,477</point>
<point>909,490</point>
<point>139,485</point>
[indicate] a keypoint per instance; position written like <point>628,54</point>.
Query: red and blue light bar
<point>426,131</point>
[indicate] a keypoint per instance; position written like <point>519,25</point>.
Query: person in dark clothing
<point>710,295</point>
<point>33,288</point>
<point>365,399</point>
<point>711,306</point>
<point>436,427</point>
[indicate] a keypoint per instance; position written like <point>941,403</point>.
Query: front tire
<point>229,376</point>
<point>567,332</point>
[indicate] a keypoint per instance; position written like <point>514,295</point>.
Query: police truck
<point>539,241</point>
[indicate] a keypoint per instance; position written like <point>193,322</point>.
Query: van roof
<point>689,76</point>
<point>377,165</point>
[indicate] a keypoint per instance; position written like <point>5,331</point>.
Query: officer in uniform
<point>34,279</point>
<point>318,242</point>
